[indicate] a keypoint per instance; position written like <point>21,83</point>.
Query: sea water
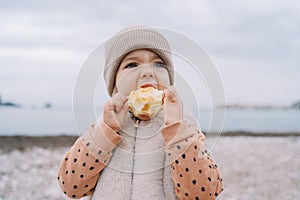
<point>60,121</point>
<point>256,120</point>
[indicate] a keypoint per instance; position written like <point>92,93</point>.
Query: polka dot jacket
<point>194,173</point>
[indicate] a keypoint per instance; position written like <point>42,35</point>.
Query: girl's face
<point>141,68</point>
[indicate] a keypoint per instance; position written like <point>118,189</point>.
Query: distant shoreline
<point>21,143</point>
<point>258,134</point>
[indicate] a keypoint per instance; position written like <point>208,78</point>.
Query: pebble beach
<point>257,167</point>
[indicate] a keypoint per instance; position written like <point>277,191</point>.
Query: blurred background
<point>254,44</point>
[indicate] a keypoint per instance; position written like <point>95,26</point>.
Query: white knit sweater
<point>138,169</point>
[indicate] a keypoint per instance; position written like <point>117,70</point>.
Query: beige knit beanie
<point>130,39</point>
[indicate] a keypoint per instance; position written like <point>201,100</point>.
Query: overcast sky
<point>254,44</point>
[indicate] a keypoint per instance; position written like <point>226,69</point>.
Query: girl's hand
<point>172,106</point>
<point>115,111</point>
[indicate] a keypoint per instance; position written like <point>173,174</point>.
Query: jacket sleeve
<point>194,173</point>
<point>80,169</point>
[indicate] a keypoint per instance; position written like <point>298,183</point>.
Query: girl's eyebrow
<point>133,58</point>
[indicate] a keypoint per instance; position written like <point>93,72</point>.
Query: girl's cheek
<point>163,80</point>
<point>125,87</point>
<point>126,83</point>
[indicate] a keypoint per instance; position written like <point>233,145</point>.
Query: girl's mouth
<point>147,85</point>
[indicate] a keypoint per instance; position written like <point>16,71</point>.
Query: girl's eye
<point>159,64</point>
<point>131,65</point>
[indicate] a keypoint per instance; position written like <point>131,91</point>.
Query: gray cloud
<point>42,40</point>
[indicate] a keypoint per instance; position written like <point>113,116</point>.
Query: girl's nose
<point>147,72</point>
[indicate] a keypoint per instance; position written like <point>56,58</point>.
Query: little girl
<point>125,157</point>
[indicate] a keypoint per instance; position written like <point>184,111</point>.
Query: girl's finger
<point>118,101</point>
<point>170,96</point>
<point>126,108</point>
